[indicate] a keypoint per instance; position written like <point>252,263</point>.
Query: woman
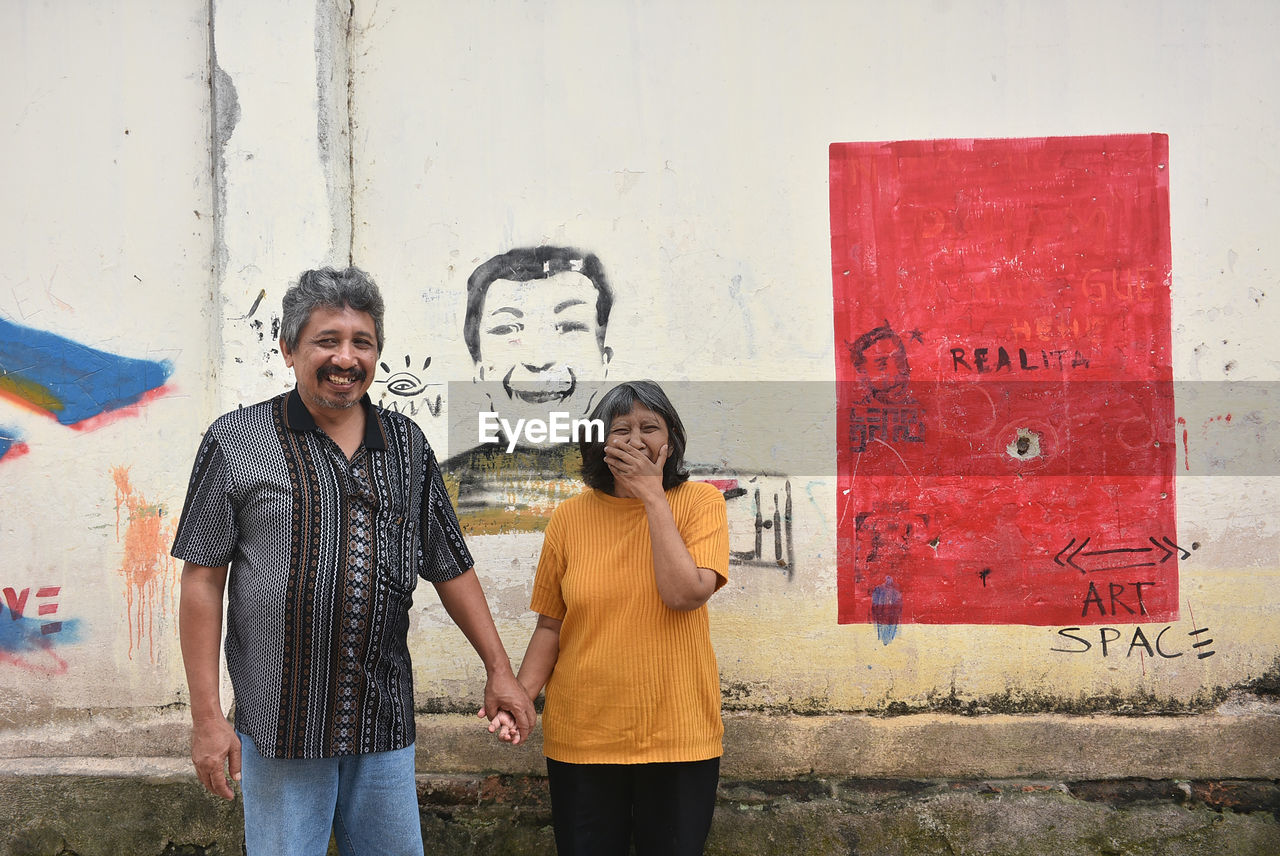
<point>632,729</point>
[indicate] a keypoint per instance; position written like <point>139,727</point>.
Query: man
<point>321,511</point>
<point>535,326</point>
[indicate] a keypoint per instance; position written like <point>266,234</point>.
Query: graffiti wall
<point>106,346</point>
<point>970,324</point>
<point>938,379</point>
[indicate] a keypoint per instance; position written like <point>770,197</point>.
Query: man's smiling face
<point>334,360</point>
<point>539,337</point>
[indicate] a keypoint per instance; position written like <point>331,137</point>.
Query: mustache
<point>356,372</point>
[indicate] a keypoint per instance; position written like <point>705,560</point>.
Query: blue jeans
<point>370,802</point>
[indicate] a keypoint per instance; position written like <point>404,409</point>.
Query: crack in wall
<point>334,96</point>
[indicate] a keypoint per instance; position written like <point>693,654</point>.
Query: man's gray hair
<point>334,289</point>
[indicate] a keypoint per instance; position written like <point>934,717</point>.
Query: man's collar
<point>298,418</point>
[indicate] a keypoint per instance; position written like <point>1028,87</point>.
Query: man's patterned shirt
<point>324,555</point>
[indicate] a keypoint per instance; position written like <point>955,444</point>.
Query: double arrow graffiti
<point>1074,558</point>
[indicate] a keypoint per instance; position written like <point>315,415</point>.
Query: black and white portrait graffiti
<point>886,411</point>
<point>535,326</point>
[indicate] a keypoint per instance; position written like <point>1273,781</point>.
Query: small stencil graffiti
<point>407,390</point>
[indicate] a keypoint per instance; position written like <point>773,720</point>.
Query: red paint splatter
<point>1186,451</point>
<point>93,423</point>
<point>54,665</point>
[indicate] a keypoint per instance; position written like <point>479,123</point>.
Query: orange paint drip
<point>149,572</point>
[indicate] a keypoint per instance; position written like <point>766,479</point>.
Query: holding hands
<point>514,715</point>
<point>504,725</point>
<point>539,661</point>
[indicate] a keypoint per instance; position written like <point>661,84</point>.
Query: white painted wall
<point>686,144</point>
<point>106,232</point>
<point>158,216</point>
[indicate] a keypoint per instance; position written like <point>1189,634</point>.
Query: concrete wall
<point>686,145</point>
<point>172,165</point>
<point>109,340</point>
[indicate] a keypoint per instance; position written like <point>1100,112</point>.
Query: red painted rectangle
<point>1005,420</point>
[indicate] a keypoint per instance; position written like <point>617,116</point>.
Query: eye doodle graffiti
<point>78,386</point>
<point>149,572</point>
<point>1005,405</point>
<point>27,642</point>
<point>409,385</point>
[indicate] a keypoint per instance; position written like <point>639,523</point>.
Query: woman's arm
<point>535,670</point>
<point>681,583</point>
<point>541,655</point>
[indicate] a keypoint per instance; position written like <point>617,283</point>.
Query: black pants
<point>599,809</point>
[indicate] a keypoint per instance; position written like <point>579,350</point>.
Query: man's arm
<point>464,600</point>
<point>215,748</point>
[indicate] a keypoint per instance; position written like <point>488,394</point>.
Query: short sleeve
<point>705,530</point>
<point>207,531</point>
<point>548,599</point>
<point>445,553</point>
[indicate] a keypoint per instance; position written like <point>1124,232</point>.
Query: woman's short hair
<point>620,401</point>
<point>333,289</point>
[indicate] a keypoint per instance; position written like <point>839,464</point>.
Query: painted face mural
<point>540,338</point>
<point>535,327</point>
<point>880,363</point>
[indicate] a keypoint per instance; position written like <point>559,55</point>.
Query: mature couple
<point>314,513</point>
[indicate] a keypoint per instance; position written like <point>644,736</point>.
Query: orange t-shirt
<point>635,681</point>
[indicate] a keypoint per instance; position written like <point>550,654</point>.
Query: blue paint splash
<point>29,635</point>
<point>886,610</point>
<point>8,438</point>
<point>70,381</point>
